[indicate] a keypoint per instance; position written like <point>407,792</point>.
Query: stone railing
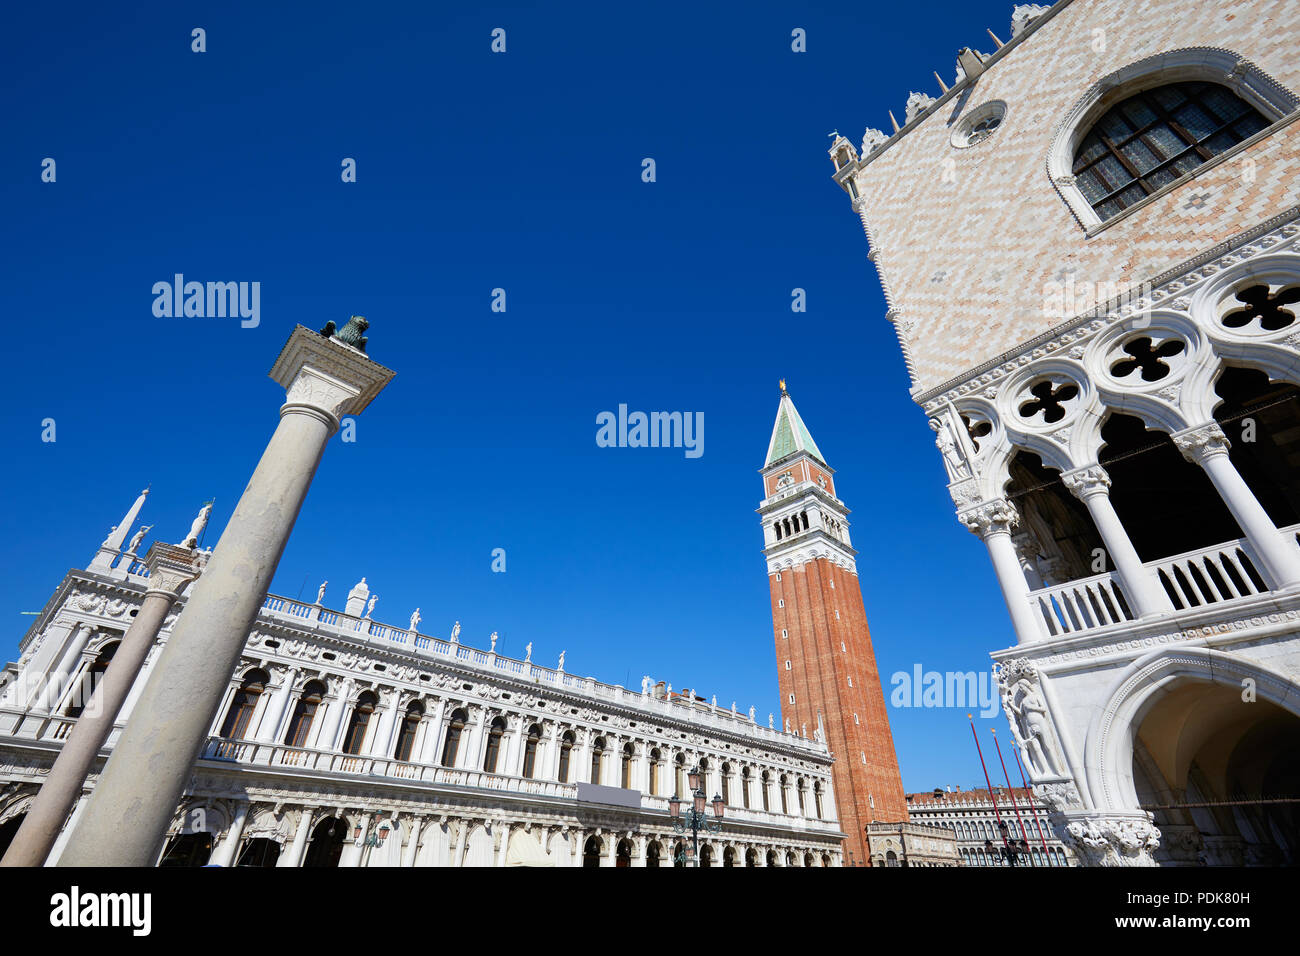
<point>425,647</point>
<point>255,753</point>
<point>1218,574</point>
<point>1080,605</point>
<point>740,814</point>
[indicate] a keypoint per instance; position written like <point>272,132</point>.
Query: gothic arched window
<point>242,705</point>
<point>304,712</point>
<point>410,725</point>
<point>359,723</point>
<point>1155,137</point>
<point>452,744</point>
<point>493,753</point>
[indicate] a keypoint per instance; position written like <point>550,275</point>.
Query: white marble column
<point>269,730</point>
<point>433,736</point>
<point>126,819</point>
<point>382,744</point>
<point>413,842</point>
<point>1207,446</point>
<point>58,680</point>
<point>297,850</point>
<point>328,736</point>
<point>993,521</point>
<point>225,852</point>
<point>171,568</point>
<point>1091,485</point>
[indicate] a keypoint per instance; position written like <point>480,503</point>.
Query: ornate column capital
<point>1087,481</point>
<point>1113,840</point>
<point>327,376</point>
<point>171,567</point>
<point>997,516</point>
<point>1201,442</point>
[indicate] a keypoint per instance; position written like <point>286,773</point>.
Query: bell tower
<point>826,667</point>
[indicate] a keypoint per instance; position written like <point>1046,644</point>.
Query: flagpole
<point>996,814</point>
<point>1012,790</point>
<point>1038,823</point>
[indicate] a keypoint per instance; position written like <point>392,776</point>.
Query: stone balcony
<point>1209,584</point>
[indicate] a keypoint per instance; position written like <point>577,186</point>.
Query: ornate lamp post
<point>1011,850</point>
<point>695,818</point>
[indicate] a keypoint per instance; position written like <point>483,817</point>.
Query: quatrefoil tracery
<point>1049,399</point>
<point>1147,358</point>
<point>1263,305</point>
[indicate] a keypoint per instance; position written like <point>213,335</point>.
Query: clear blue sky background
<point>477,171</point>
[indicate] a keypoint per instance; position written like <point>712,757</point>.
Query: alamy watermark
<point>963,689</point>
<point>211,300</point>
<point>1064,299</point>
<point>651,430</point>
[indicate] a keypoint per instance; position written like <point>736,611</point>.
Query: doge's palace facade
<point>1089,246</point>
<point>344,741</point>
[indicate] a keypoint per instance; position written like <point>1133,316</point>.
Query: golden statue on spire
<point>782,384</point>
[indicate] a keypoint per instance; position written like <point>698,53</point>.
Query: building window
<point>778,575</point>
<point>410,726</point>
<point>452,744</point>
<point>850,681</point>
<point>655,757</point>
<point>85,688</point>
<point>744,787</point>
<point>799,789</point>
<point>1155,137</point>
<point>493,753</point>
<point>837,614</point>
<point>530,751</point>
<point>566,750</point>
<point>360,721</point>
<point>785,808</point>
<point>625,775</point>
<point>726,784</point>
<point>680,773</point>
<point>855,718</point>
<point>817,798</point>
<point>304,712</point>
<point>792,698</point>
<point>763,782</point>
<point>780,602</point>
<point>240,714</point>
<point>597,756</point>
<point>787,665</point>
<point>785,632</point>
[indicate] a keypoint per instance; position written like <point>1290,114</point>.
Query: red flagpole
<point>1037,822</point>
<point>996,814</point>
<point>1015,806</point>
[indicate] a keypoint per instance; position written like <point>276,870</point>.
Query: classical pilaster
<point>126,819</point>
<point>992,521</point>
<point>269,730</point>
<point>1091,485</point>
<point>171,568</point>
<point>1207,446</point>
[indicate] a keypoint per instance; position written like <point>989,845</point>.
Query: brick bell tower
<point>826,667</point>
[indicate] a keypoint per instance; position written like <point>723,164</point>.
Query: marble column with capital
<point>126,819</point>
<point>171,568</point>
<point>1091,485</point>
<point>1207,446</point>
<point>992,521</point>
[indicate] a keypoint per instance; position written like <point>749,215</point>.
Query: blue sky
<point>477,171</point>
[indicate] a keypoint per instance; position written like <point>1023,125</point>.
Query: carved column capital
<point>997,516</point>
<point>1113,840</point>
<point>172,567</point>
<point>1201,442</point>
<point>323,376</point>
<point>1087,481</point>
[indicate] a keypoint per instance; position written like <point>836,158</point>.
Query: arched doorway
<point>259,852</point>
<point>591,852</point>
<point>8,830</point>
<point>751,857</point>
<point>652,853</point>
<point>706,855</point>
<point>1210,768</point>
<point>729,856</point>
<point>623,854</point>
<point>326,843</point>
<point>187,849</point>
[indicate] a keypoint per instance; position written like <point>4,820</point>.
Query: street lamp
<point>695,818</point>
<point>1011,850</point>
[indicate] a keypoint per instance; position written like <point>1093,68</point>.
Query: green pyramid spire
<point>790,434</point>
